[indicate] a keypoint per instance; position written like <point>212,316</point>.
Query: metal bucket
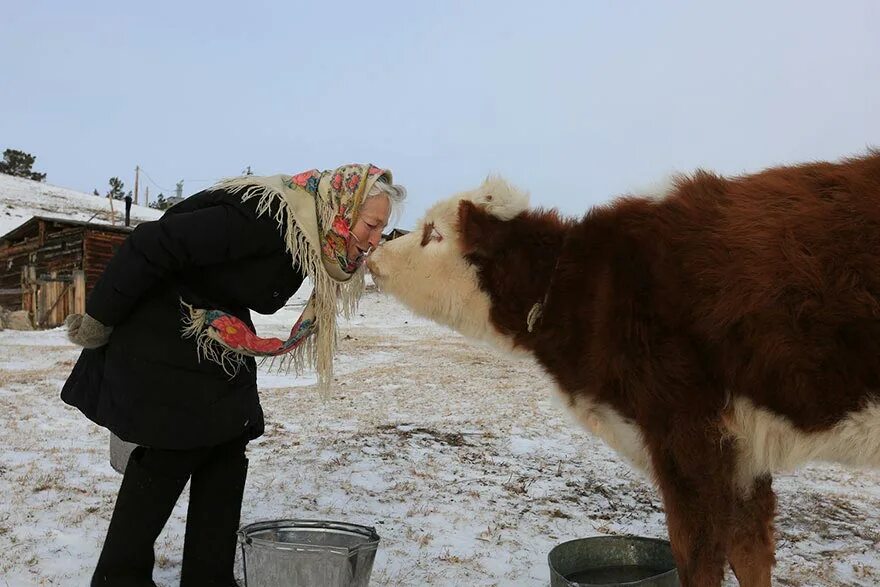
<point>613,560</point>
<point>307,553</point>
<point>120,450</point>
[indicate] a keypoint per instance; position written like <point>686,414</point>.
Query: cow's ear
<point>477,229</point>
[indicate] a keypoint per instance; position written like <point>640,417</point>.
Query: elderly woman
<point>169,346</point>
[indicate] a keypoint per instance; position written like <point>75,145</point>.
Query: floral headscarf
<point>341,194</point>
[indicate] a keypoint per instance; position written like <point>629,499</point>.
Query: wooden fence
<point>52,297</point>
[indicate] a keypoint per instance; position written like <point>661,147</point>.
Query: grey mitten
<point>87,332</point>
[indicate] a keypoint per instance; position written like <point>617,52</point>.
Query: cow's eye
<point>430,233</point>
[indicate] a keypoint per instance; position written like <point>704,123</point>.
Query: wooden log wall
<point>12,261</point>
<point>98,248</point>
<point>62,252</point>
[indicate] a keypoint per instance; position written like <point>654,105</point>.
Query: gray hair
<point>396,195</point>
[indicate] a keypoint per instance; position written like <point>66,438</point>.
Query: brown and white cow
<point>724,331</point>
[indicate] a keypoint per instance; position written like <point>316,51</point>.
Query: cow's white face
<point>427,271</point>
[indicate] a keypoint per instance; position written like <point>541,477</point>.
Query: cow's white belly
<point>767,443</point>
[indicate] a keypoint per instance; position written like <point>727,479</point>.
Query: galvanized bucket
<point>307,553</point>
<point>613,561</point>
<point>120,450</point>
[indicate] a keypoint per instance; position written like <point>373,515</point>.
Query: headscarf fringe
<point>208,348</point>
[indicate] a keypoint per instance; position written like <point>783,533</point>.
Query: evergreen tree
<point>116,189</point>
<point>160,203</point>
<point>20,164</point>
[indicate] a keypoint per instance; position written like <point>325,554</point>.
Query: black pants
<point>152,483</point>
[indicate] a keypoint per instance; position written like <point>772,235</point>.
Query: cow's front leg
<point>693,467</point>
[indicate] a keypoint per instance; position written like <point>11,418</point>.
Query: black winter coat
<point>147,384</point>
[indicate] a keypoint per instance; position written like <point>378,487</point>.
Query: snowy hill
<point>20,199</point>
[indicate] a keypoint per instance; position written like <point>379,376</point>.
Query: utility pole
<point>137,172</point>
<point>147,196</point>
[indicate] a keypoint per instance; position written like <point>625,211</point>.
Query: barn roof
<point>31,227</point>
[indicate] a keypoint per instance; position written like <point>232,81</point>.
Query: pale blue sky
<point>574,101</point>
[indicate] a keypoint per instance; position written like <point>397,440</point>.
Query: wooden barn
<point>49,265</point>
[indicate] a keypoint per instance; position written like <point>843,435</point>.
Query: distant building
<point>395,233</point>
<point>49,265</point>
<point>55,244</point>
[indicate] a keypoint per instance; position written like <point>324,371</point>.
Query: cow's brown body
<point>715,335</point>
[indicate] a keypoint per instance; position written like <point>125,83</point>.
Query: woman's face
<point>367,231</point>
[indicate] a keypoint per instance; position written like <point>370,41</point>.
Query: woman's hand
<point>87,332</point>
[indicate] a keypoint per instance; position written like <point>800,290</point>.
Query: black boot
<point>212,521</point>
<point>143,506</point>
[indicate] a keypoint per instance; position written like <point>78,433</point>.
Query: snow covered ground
<point>458,456</point>
<point>20,199</point>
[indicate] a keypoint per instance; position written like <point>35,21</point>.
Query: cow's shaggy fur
<point>713,336</point>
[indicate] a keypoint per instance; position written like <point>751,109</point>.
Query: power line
<point>152,181</point>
